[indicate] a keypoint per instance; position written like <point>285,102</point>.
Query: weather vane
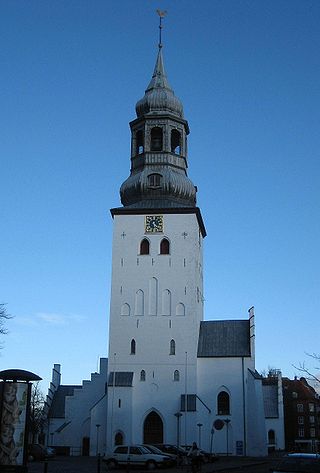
<point>162,14</point>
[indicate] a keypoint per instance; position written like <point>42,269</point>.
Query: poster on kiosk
<point>14,401</point>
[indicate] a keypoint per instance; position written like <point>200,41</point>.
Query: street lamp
<point>227,421</point>
<point>211,440</point>
<point>97,449</point>
<point>178,415</point>
<point>199,426</point>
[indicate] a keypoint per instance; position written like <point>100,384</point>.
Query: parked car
<point>38,452</point>
<point>170,449</point>
<point>298,463</point>
<point>172,458</point>
<point>136,455</point>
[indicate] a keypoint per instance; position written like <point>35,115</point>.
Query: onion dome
<point>159,98</point>
<point>175,189</point>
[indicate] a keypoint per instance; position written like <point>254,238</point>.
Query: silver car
<point>136,455</point>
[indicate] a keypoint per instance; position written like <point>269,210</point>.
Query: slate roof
<point>123,378</point>
<point>57,408</point>
<point>224,338</point>
<point>270,400</point>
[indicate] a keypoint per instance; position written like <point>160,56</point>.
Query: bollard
<point>45,467</point>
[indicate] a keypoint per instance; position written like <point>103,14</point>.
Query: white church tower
<point>172,377</point>
<point>157,283</point>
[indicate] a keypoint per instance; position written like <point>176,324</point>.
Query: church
<point>171,376</point>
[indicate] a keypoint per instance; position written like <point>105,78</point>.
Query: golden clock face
<point>154,223</point>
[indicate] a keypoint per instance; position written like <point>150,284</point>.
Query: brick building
<point>301,415</point>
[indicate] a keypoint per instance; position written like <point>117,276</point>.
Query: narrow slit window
<point>172,347</point>
<point>133,347</point>
<point>176,375</point>
<point>139,142</point>
<point>142,375</point>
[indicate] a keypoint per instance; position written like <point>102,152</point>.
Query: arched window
<point>142,375</point>
<point>144,247</point>
<point>172,347</point>
<point>223,403</point>
<point>175,142</point>
<point>176,375</point>
<point>164,247</point>
<point>118,439</point>
<point>154,180</point>
<point>133,347</point>
<point>156,139</point>
<point>139,142</point>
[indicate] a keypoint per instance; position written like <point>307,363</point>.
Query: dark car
<point>38,452</point>
<point>172,458</point>
<point>298,463</point>
<point>170,449</point>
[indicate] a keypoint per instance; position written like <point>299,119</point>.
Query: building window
<point>271,437</point>
<point>312,432</point>
<point>154,180</point>
<point>191,402</point>
<point>311,407</point>
<point>176,375</point>
<point>223,402</point>
<point>299,407</point>
<point>175,142</point>
<point>142,375</point>
<point>118,439</point>
<point>300,420</point>
<point>172,347</point>
<point>301,432</point>
<point>311,419</point>
<point>156,139</point>
<point>294,395</point>
<point>145,247</point>
<point>139,142</point>
<point>164,247</point>
<point>133,347</point>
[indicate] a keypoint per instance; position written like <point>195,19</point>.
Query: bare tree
<point>37,419</point>
<point>3,317</point>
<point>310,372</point>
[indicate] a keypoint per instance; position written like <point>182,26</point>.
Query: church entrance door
<point>153,429</point>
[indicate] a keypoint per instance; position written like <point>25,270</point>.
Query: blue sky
<point>248,74</point>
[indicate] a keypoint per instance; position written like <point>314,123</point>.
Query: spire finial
<point>162,14</point>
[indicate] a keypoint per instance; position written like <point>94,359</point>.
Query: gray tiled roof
<point>123,378</point>
<point>224,338</point>
<point>270,400</point>
<point>58,403</point>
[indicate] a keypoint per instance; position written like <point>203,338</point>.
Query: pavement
<point>91,465</point>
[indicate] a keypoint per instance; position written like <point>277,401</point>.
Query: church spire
<point>158,177</point>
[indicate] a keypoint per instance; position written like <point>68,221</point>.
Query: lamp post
<point>199,426</point>
<point>227,421</point>
<point>211,440</point>
<point>178,415</point>
<point>97,449</point>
